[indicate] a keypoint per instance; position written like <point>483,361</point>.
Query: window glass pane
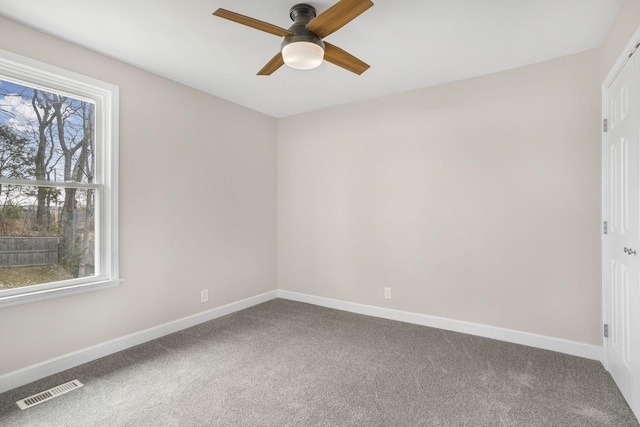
<point>47,234</point>
<point>45,136</point>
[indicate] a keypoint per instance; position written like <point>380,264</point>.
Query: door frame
<point>606,282</point>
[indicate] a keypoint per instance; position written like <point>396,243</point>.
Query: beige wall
<point>197,209</point>
<point>623,28</point>
<point>477,200</point>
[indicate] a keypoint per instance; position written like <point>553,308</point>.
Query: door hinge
<point>605,125</point>
<point>605,228</point>
<point>606,330</point>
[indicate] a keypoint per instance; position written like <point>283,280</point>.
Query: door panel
<point>619,343</point>
<point>622,244</point>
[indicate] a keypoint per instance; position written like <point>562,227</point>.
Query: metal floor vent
<point>48,394</point>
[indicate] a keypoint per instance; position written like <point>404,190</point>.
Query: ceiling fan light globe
<point>303,55</point>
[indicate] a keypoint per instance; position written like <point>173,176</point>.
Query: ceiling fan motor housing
<point>301,14</point>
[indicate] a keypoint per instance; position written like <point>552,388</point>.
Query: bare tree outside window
<point>47,212</point>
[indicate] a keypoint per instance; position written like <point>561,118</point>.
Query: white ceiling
<point>409,44</point>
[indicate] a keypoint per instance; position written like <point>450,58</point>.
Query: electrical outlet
<point>204,295</point>
<point>387,293</point>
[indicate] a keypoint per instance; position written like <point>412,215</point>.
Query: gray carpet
<point>284,363</point>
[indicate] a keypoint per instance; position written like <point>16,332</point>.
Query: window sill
<point>28,297</point>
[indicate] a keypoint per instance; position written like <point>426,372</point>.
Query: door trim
<point>622,59</point>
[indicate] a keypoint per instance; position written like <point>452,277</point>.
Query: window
<point>58,182</point>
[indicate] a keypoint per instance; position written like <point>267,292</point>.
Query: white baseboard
<point>35,372</point>
<point>573,348</point>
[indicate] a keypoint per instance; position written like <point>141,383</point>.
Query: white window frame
<point>32,73</point>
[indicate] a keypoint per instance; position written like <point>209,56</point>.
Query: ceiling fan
<point>303,47</point>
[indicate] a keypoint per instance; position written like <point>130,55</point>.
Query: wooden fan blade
<point>337,16</point>
<point>275,63</point>
<point>250,22</point>
<point>344,59</point>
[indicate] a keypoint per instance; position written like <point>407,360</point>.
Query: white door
<point>621,248</point>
